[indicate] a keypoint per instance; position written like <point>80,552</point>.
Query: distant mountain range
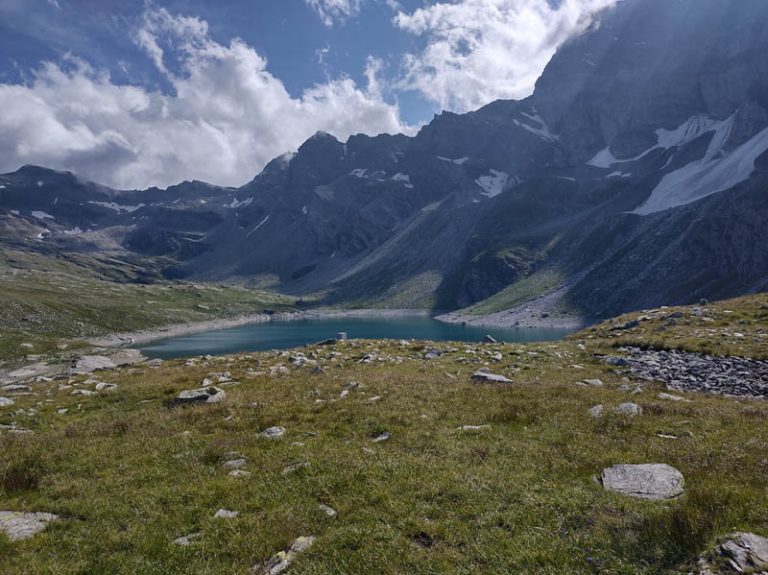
<point>635,176</point>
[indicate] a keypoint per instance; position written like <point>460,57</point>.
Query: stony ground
<point>391,457</point>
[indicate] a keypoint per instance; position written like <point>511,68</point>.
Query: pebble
<point>329,511</point>
<point>294,467</point>
<point>473,427</point>
<point>187,540</point>
<point>240,473</point>
<point>103,386</point>
<point>594,382</point>
<point>382,437</point>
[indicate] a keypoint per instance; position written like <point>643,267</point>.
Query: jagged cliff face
<point>635,174</point>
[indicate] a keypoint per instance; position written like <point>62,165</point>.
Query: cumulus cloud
<point>225,118</point>
<point>333,11</point>
<point>483,50</point>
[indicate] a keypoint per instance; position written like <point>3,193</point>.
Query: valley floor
<point>392,458</point>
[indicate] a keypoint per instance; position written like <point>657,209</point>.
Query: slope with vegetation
<point>393,458</point>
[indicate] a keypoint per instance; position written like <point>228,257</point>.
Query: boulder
<point>629,409</point>
<point>744,553</point>
<point>18,525</point>
<point>90,363</point>
<point>6,402</point>
<point>487,377</point>
<point>647,481</point>
<point>203,395</point>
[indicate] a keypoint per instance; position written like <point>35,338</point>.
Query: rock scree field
<point>588,455</point>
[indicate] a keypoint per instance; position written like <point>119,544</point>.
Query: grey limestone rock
<point>646,481</point>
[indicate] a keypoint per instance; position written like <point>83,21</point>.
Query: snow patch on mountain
<point>405,179</point>
<point>691,129</point>
<point>42,215</point>
<point>261,223</point>
<point>539,128</point>
<point>457,161</point>
<point>236,204</point>
<point>358,173</point>
<point>117,207</point>
<point>684,134</point>
<point>716,172</point>
<point>493,183</point>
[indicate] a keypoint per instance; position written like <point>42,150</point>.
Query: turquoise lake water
<point>289,334</point>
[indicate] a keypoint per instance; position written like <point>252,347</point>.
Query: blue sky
<point>135,93</point>
<point>300,48</point>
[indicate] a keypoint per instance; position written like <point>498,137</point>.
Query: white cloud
<point>227,117</point>
<point>333,11</point>
<point>483,50</point>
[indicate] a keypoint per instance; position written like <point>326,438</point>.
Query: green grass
<point>732,327</point>
<point>128,474</point>
<point>518,293</point>
<point>50,306</point>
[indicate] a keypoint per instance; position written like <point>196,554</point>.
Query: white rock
<point>274,432</point>
<point>488,377</point>
<point>6,402</point>
<point>203,395</point>
<point>103,386</point>
<point>629,409</point>
<point>18,526</point>
<point>473,427</point>
<point>382,437</point>
<point>329,511</point>
<point>280,562</point>
<point>187,540</point>
<point>294,467</point>
<point>597,411</point>
<point>240,473</point>
<point>226,514</point>
<point>670,397</point>
<point>235,463</point>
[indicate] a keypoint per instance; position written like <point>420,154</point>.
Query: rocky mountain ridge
<point>632,177</point>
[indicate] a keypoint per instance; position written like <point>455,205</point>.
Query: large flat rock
<point>654,481</point>
<point>17,525</point>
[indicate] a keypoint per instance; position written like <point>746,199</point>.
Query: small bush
<point>22,476</point>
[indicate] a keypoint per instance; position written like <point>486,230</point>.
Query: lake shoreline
<point>145,336</point>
